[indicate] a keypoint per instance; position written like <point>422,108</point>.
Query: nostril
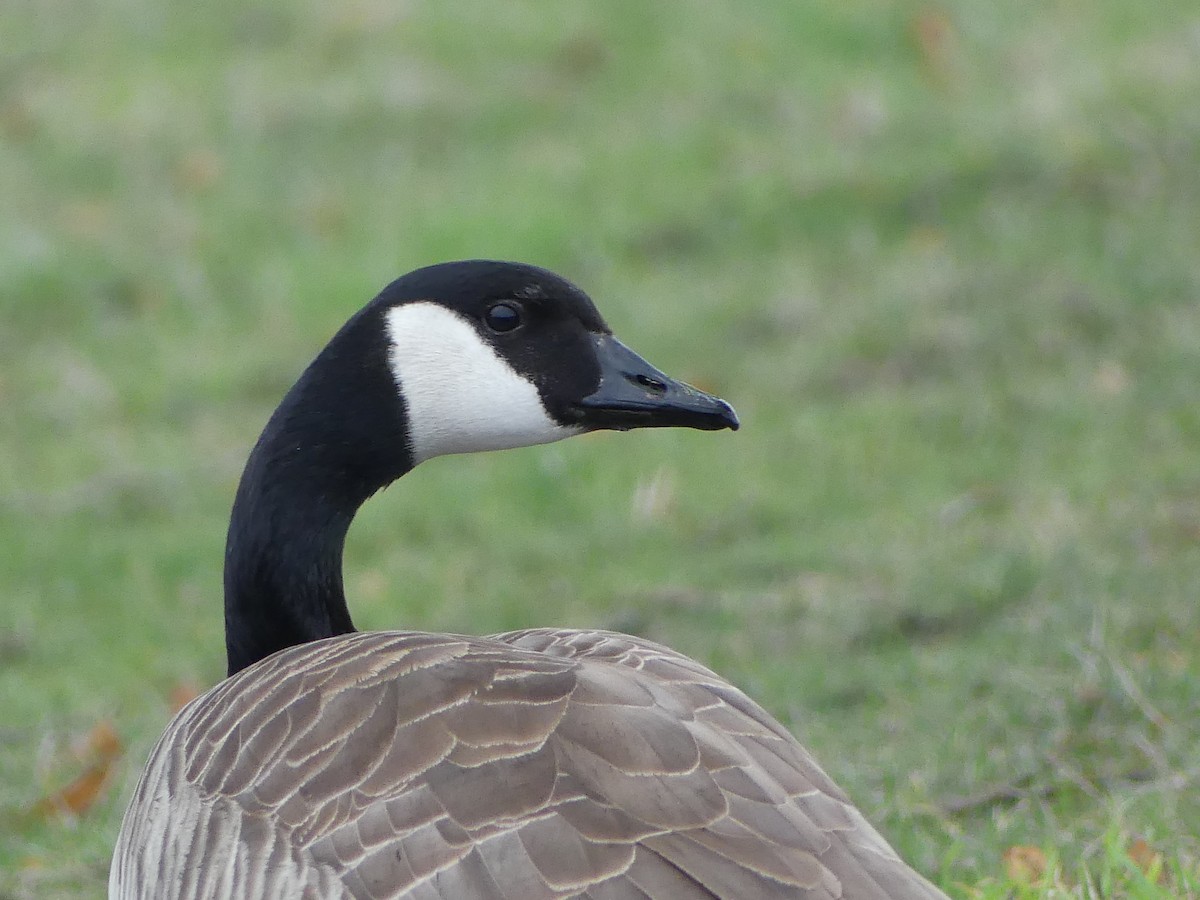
<point>651,384</point>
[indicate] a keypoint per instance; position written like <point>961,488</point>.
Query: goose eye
<point>503,317</point>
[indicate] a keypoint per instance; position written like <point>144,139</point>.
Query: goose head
<point>488,356</point>
<point>453,358</point>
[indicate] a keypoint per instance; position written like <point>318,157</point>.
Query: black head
<point>488,355</point>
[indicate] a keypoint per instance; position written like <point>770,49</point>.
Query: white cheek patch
<point>460,395</point>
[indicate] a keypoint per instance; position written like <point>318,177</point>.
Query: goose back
<point>540,764</point>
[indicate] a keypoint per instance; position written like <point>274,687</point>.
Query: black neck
<point>337,438</point>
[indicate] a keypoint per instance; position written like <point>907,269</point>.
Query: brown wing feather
<point>535,764</point>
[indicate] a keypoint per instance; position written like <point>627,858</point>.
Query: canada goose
<point>529,765</point>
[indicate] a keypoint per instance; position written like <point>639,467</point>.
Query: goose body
<point>532,765</point>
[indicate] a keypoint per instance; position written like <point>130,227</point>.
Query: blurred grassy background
<point>943,257</point>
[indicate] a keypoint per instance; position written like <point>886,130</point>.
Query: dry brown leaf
<point>99,749</point>
<point>1025,864</point>
<point>77,797</point>
<point>102,743</point>
<point>183,693</point>
<point>1146,858</point>
<point>934,36</point>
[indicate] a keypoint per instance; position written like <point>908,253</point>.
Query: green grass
<point>944,259</point>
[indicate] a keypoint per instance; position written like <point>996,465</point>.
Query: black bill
<point>634,394</point>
